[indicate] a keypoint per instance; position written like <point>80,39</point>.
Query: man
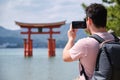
<point>86,49</point>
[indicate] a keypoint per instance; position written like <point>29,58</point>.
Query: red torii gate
<point>51,42</point>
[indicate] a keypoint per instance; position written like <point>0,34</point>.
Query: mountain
<point>13,38</point>
<point>9,33</point>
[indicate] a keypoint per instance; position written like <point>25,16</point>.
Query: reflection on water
<point>14,66</point>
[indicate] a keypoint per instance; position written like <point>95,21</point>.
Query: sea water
<point>14,66</point>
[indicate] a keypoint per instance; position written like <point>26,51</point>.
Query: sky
<point>41,11</point>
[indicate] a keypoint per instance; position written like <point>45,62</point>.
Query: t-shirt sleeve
<point>79,50</point>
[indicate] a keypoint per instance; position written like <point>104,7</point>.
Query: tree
<point>113,15</point>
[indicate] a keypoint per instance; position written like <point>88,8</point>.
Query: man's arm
<point>70,43</point>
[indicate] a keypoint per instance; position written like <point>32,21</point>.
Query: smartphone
<point>78,24</point>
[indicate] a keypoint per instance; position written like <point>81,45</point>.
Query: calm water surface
<point>14,66</point>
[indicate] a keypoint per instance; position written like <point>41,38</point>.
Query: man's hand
<point>72,33</point>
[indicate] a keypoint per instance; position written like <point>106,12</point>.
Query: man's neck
<point>98,30</point>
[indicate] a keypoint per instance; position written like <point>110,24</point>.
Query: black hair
<point>98,14</point>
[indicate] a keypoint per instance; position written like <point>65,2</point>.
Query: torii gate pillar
<point>28,47</point>
<point>28,44</point>
<point>51,45</point>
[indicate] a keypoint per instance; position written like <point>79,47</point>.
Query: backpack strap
<point>115,37</point>
<point>100,40</point>
<point>83,71</point>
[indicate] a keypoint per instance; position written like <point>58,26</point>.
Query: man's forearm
<point>66,55</point>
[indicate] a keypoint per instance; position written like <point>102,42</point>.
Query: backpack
<point>108,59</point>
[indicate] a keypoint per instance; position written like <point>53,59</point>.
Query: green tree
<point>113,15</point>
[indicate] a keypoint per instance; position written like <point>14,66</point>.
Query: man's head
<point>98,14</point>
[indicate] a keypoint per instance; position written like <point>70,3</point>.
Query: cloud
<point>39,11</point>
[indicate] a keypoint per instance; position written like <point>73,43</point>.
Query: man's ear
<point>89,21</point>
